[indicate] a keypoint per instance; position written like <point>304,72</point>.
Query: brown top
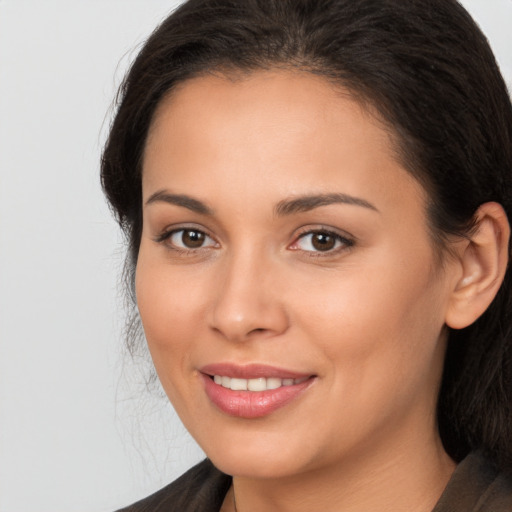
<point>476,486</point>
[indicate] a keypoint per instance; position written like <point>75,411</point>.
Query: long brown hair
<point>425,66</point>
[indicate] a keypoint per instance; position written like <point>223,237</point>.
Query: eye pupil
<point>192,239</point>
<point>323,241</point>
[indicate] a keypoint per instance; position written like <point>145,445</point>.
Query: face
<point>286,279</point>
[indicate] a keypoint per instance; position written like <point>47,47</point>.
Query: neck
<point>390,480</point>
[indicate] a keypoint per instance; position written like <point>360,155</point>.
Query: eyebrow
<point>180,200</point>
<point>307,203</point>
<point>283,208</point>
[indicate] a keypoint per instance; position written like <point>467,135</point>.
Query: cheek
<point>378,328</point>
<point>170,308</point>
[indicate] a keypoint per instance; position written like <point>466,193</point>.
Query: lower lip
<point>252,404</point>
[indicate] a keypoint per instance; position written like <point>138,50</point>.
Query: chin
<point>254,468</point>
<point>260,459</point>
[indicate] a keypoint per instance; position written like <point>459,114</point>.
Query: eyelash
<point>166,237</point>
<point>342,243</point>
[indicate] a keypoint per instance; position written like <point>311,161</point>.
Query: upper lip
<point>250,371</point>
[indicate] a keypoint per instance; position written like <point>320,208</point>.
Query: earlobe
<point>483,260</point>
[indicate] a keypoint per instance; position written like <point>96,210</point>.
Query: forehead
<point>269,97</point>
<point>270,133</point>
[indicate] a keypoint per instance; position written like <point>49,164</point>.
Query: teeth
<point>274,383</point>
<point>238,384</point>
<point>260,384</point>
<point>257,384</point>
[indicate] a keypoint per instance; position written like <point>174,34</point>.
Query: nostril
<point>242,320</point>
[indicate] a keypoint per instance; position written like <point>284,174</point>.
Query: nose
<point>248,303</point>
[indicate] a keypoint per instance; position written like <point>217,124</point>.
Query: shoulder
<point>200,489</point>
<point>477,486</point>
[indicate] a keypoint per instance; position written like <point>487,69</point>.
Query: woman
<point>315,195</point>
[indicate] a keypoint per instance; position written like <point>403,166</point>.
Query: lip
<point>250,371</point>
<point>252,404</point>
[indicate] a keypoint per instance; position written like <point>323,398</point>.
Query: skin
<point>366,318</point>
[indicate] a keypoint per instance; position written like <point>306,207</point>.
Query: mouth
<point>252,391</point>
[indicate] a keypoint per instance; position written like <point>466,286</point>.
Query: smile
<point>252,391</point>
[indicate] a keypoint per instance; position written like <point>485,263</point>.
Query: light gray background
<point>76,432</point>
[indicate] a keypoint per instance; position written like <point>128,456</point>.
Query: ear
<point>483,260</point>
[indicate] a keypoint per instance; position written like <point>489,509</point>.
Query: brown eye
<point>321,241</point>
<point>190,239</point>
